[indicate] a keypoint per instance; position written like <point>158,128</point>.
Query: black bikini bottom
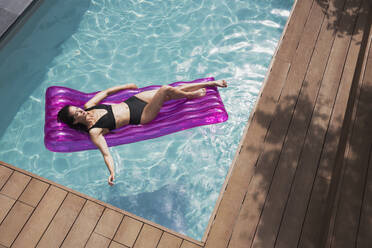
<point>136,107</point>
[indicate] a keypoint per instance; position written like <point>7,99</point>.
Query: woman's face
<point>78,114</point>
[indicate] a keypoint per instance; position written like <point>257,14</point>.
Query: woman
<point>98,119</point>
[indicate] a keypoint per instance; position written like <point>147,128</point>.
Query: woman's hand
<point>96,135</point>
<point>111,179</point>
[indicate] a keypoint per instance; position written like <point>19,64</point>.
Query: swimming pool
<point>174,180</point>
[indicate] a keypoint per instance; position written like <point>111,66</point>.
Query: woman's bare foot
<point>221,83</point>
<point>197,93</point>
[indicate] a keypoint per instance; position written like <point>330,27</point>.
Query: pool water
<point>90,45</point>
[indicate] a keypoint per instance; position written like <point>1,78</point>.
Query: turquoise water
<point>174,180</point>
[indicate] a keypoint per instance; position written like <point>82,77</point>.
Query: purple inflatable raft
<point>174,116</point>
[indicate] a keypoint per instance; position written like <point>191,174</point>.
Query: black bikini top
<point>107,120</point>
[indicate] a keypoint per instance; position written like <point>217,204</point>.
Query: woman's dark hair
<point>65,117</point>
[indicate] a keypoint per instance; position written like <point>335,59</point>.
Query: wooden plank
<point>97,241</point>
<point>41,217</point>
<point>257,191</point>
<point>6,204</point>
<point>355,170</point>
<point>325,168</point>
<point>279,190</point>
<point>34,192</point>
<point>227,212</point>
<point>15,185</point>
<point>62,222</point>
<point>313,227</point>
<point>312,237</point>
<point>275,80</point>
<point>117,245</point>
<point>365,225</point>
<point>347,218</point>
<point>300,193</point>
<point>332,210</point>
<point>169,241</point>
<point>252,145</point>
<point>148,238</point>
<point>294,30</point>
<point>128,231</point>
<point>187,244</point>
<point>109,223</point>
<point>5,173</point>
<point>84,225</point>
<point>14,222</point>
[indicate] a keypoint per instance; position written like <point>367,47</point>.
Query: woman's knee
<point>166,88</point>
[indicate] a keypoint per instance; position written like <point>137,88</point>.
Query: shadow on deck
<point>301,176</point>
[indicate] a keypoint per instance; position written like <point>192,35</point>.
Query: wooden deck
<point>35,212</point>
<point>291,185</point>
<point>301,177</point>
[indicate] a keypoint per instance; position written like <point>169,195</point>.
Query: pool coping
<point>15,16</point>
<point>22,19</point>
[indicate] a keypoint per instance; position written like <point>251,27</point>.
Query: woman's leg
<point>196,86</point>
<point>148,95</point>
<point>156,99</point>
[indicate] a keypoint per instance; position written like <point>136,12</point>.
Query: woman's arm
<point>98,139</point>
<point>104,93</point>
